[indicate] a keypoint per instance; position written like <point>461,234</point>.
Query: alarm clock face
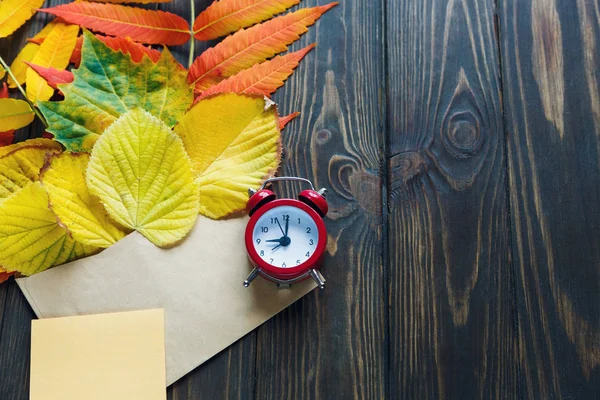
<point>285,236</point>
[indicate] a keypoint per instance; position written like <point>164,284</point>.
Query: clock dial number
<point>282,236</point>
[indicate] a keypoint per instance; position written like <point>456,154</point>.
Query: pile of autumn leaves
<point>139,142</point>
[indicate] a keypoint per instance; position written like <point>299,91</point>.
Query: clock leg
<point>251,277</point>
<point>316,275</point>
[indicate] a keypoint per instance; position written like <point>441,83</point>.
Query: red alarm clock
<point>285,238</point>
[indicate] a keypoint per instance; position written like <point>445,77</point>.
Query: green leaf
<point>108,84</point>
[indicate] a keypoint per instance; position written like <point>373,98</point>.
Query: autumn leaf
<point>145,26</point>
<point>20,165</point>
<point>108,84</point>
<point>143,176</point>
<point>30,238</point>
<point>52,76</point>
<point>15,114</point>
<point>76,55</point>
<point>5,275</point>
<point>49,145</point>
<point>283,121</point>
<point>18,66</point>
<point>130,1</point>
<point>127,46</point>
<point>247,47</point>
<point>8,136</point>
<point>14,13</point>
<point>81,213</point>
<point>54,52</point>
<point>2,72</point>
<point>234,143</point>
<point>226,16</point>
<point>263,79</point>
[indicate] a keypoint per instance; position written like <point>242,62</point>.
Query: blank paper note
<point>117,356</point>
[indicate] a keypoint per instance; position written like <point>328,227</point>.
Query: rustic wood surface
<point>460,143</point>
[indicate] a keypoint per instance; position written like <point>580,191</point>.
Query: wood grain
<point>332,343</point>
<point>554,181</point>
<point>452,309</point>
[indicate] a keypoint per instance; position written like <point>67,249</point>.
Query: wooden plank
<point>332,343</point>
<point>550,51</point>
<point>451,305</point>
<point>15,339</point>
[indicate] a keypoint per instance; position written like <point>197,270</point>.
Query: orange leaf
<point>5,275</point>
<point>76,54</point>
<point>263,79</point>
<point>250,46</point>
<point>36,40</point>
<point>127,46</point>
<point>283,121</point>
<point>130,1</point>
<point>52,75</point>
<point>54,52</point>
<point>226,16</point>
<point>146,26</point>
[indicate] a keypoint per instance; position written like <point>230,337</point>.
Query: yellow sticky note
<point>99,357</point>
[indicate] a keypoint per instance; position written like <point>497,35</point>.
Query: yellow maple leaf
<point>31,240</point>
<point>21,167</point>
<point>54,52</point>
<point>80,212</point>
<point>18,66</point>
<point>234,143</point>
<point>142,175</point>
<point>14,13</point>
<point>14,114</point>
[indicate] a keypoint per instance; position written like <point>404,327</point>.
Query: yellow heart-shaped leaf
<point>77,209</point>
<point>141,173</point>
<point>30,238</point>
<point>234,142</point>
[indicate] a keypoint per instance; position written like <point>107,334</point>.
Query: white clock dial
<point>285,236</point>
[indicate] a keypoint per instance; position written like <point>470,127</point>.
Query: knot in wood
<point>405,166</point>
<point>462,137</point>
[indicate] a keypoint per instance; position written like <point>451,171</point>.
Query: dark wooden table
<point>460,143</point>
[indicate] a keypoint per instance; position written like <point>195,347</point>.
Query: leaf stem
<point>33,107</point>
<point>192,42</point>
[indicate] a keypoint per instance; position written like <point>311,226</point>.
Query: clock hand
<point>276,247</point>
<point>273,241</point>
<point>287,225</point>
<point>280,227</point>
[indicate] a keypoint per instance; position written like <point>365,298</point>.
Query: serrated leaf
<point>226,16</point>
<point>15,114</point>
<point>14,13</point>
<point>127,46</point>
<point>54,52</point>
<point>21,167</point>
<point>18,67</point>
<point>141,173</point>
<point>254,45</point>
<point>108,84</point>
<point>145,26</point>
<point>283,121</point>
<point>52,76</point>
<point>30,238</point>
<point>40,142</point>
<point>234,143</point>
<point>262,79</point>
<point>77,210</point>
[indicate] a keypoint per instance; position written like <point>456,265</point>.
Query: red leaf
<point>37,41</point>
<point>128,46</point>
<point>145,26</point>
<point>263,79</point>
<point>250,46</point>
<point>76,55</point>
<point>283,121</point>
<point>226,16</point>
<point>52,75</point>
<point>4,91</point>
<point>7,138</point>
<point>5,275</point>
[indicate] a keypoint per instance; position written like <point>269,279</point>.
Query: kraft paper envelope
<point>199,283</point>
<point>97,357</point>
